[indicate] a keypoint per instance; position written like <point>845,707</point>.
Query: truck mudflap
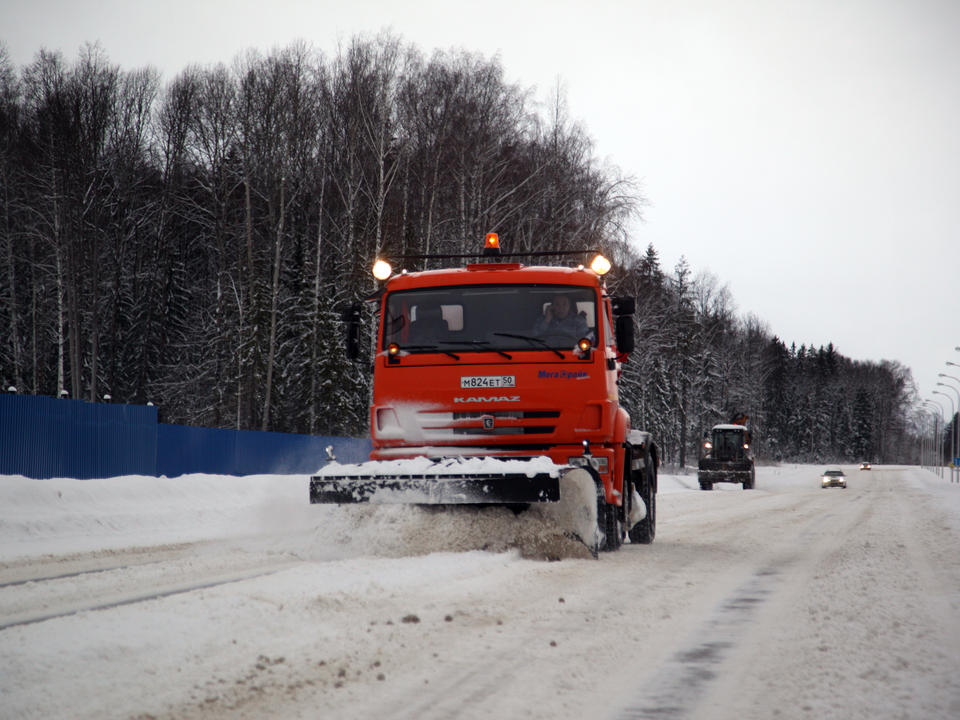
<point>440,481</point>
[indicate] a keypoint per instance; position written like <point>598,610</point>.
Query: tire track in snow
<point>130,599</point>
<point>678,688</point>
<point>75,574</point>
<point>684,680</point>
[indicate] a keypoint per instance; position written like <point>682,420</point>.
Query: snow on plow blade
<point>724,470</point>
<point>439,481</point>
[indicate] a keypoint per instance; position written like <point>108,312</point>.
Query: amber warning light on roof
<point>491,245</point>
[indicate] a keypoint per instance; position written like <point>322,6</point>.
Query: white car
<point>833,477</point>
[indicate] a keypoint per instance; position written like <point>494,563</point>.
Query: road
<point>787,601</point>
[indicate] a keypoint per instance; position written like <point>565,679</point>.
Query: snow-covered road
<point>210,597</point>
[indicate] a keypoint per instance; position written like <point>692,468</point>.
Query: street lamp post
<point>928,444</point>
<point>953,414</point>
<point>923,437</point>
<point>955,435</point>
<point>938,440</point>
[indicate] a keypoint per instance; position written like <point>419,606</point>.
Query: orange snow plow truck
<point>496,383</point>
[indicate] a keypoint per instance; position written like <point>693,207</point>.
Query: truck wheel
<point>644,531</point>
<point>608,518</point>
<point>706,485</point>
<point>608,521</point>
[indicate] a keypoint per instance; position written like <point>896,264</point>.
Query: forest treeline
<point>190,243</point>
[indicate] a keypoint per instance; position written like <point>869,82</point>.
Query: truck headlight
<point>600,464</point>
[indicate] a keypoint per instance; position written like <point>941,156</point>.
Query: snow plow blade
<point>724,470</point>
<point>558,503</point>
<point>436,489</point>
<point>439,481</point>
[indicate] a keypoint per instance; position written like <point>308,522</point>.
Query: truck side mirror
<point>623,305</point>
<point>351,316</point>
<point>624,333</point>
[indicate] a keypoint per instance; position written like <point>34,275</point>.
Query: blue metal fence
<point>189,450</point>
<point>41,437</point>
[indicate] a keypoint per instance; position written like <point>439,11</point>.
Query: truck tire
<point>644,531</point>
<point>749,484</point>
<point>608,520</point>
<point>706,485</point>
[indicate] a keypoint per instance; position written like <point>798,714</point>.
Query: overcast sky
<point>805,152</point>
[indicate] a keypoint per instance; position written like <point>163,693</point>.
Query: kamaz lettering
<point>502,398</point>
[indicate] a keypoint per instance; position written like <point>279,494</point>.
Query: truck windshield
<point>484,318</point>
<point>728,444</point>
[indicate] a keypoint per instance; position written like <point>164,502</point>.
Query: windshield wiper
<point>535,340</point>
<point>430,347</point>
<point>479,344</point>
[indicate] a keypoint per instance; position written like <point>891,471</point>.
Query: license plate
<point>488,381</point>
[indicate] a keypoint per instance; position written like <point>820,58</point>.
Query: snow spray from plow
<point>554,507</point>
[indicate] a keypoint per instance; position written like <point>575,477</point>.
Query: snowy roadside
<point>64,516</point>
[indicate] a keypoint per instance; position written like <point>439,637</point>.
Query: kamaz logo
<point>491,399</point>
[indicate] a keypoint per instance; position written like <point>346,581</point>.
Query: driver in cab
<point>560,319</point>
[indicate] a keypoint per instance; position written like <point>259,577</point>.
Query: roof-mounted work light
<point>600,265</point>
<point>382,270</point>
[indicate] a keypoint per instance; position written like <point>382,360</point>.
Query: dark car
<point>864,466</point>
<point>833,477</point>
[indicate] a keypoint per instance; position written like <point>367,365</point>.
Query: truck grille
<point>505,422</point>
<point>514,414</point>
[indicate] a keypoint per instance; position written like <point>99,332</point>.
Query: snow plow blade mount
<point>440,489</point>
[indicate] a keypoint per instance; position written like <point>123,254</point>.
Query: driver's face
<point>561,306</point>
